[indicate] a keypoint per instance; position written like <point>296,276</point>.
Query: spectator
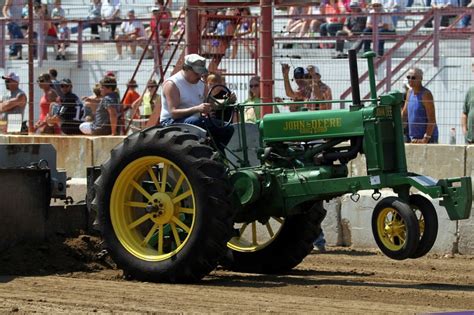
<point>91,102</point>
<point>132,31</point>
<point>94,17</point>
<point>12,10</point>
<point>253,113</point>
<point>108,111</point>
<point>110,11</point>
<point>14,103</point>
<point>51,38</point>
<point>304,90</point>
<point>320,90</point>
<point>150,102</point>
<point>183,101</point>
<point>163,15</point>
<point>467,117</point>
<point>333,23</point>
<point>64,37</point>
<point>393,6</point>
<point>297,25</point>
<point>58,12</point>
<point>419,110</point>
<point>466,19</point>
<point>71,112</point>
<point>385,26</point>
<point>219,93</point>
<point>353,26</point>
<point>53,73</point>
<point>244,32</point>
<point>44,82</point>
<point>130,97</point>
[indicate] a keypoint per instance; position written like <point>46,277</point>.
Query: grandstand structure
<point>445,54</point>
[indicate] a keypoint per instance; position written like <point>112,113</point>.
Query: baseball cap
<point>299,72</point>
<point>376,2</point>
<point>354,4</point>
<point>65,81</point>
<point>131,11</point>
<point>11,76</point>
<point>196,62</point>
<point>155,9</point>
<point>316,69</point>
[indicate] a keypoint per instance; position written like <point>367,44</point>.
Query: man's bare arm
<point>19,101</point>
<point>173,98</point>
<point>6,8</point>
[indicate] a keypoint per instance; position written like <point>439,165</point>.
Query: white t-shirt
<point>190,95</point>
<point>132,26</point>
<point>382,19</point>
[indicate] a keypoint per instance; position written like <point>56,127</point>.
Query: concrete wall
<point>347,222</point>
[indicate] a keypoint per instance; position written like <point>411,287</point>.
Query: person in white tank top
<point>183,101</point>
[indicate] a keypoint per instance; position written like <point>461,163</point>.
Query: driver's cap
<point>197,63</point>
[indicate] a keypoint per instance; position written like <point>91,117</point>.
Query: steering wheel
<point>221,105</point>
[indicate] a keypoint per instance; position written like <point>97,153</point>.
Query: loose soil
<point>71,276</point>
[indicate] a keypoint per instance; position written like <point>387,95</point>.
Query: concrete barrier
<point>73,153</point>
<point>425,160</point>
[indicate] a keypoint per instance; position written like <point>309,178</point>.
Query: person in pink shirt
<point>44,82</point>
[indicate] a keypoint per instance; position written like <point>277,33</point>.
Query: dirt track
<point>341,280</point>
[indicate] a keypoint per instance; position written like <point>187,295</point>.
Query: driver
<point>183,101</point>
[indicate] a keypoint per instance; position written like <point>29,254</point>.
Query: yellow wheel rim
<point>391,229</point>
<point>255,236</point>
<point>152,208</point>
<point>420,218</point>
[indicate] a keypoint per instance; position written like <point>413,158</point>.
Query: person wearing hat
<point>131,32</point>
<point>71,112</point>
<point>301,78</point>
<point>353,26</point>
<point>14,102</point>
<point>320,90</point>
<point>183,100</point>
<point>385,25</point>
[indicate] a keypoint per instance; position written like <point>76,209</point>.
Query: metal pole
<point>472,30</point>
<point>437,21</point>
<point>191,27</point>
<point>2,44</point>
<point>266,54</point>
<point>31,87</point>
<point>79,45</point>
<point>388,78</point>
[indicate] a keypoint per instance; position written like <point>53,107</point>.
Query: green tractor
<point>171,207</point>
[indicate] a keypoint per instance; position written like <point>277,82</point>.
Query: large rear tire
<point>164,206</point>
<point>279,245</point>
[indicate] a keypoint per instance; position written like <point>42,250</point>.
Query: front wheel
<point>428,222</point>
<point>163,206</point>
<point>395,228</point>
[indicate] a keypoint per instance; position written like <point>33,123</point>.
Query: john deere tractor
<point>172,207</point>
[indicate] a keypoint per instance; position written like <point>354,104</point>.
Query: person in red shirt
<point>163,15</point>
<point>44,82</point>
<point>130,97</point>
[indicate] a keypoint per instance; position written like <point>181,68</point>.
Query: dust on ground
<point>70,276</point>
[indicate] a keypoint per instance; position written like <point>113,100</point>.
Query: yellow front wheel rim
<point>255,236</point>
<point>391,229</point>
<point>152,208</point>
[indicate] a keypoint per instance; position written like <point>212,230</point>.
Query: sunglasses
<point>63,85</point>
<point>411,77</point>
<point>8,81</point>
<point>254,85</point>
